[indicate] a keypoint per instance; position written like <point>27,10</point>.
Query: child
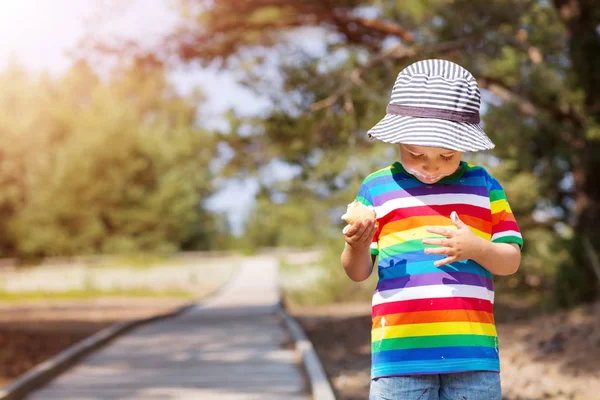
<point>443,228</point>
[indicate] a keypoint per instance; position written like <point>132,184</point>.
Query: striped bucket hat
<point>434,103</point>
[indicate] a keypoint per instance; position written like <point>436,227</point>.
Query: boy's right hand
<point>360,233</point>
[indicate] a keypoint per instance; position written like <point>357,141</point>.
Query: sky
<point>40,33</point>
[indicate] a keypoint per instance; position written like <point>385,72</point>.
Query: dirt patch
<point>34,332</point>
<point>555,356</point>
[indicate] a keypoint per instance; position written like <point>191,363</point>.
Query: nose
<point>430,168</point>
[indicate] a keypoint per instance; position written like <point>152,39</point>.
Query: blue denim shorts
<point>478,385</point>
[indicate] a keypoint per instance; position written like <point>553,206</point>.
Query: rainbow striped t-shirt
<point>427,319</point>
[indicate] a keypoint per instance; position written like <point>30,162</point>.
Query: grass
<point>191,278</point>
<point>287,267</point>
<point>328,291</point>
<point>92,294</point>
<point>141,260</point>
<point>332,284</point>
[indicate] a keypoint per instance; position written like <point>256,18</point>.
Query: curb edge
<point>320,386</point>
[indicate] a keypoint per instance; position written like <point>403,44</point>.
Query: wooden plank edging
<point>320,386</point>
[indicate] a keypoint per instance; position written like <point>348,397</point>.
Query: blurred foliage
<point>536,61</point>
<point>325,281</point>
<point>335,286</point>
<point>92,164</point>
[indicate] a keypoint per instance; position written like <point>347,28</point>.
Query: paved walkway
<point>233,347</point>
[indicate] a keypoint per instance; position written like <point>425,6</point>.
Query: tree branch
<point>382,27</point>
<point>499,88</point>
<point>344,19</point>
<point>359,30</point>
<point>398,52</point>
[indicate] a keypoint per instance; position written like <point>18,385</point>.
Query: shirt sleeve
<point>364,196</point>
<point>504,224</point>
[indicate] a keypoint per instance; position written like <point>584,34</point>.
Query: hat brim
<point>431,132</point>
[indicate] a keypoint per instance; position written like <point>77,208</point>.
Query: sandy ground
<point>544,357</point>
<point>553,356</point>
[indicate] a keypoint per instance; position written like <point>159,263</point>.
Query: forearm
<point>357,263</point>
<point>498,258</point>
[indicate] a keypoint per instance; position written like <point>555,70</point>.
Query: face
<point>429,164</point>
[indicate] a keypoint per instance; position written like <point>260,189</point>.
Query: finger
<point>360,227</point>
<point>354,228</point>
<point>437,242</point>
<point>346,229</point>
<point>445,261</point>
<point>456,220</point>
<point>374,229</point>
<point>438,250</point>
<point>368,232</point>
<point>366,238</point>
<point>440,231</point>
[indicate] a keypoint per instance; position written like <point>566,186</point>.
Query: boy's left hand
<point>460,244</point>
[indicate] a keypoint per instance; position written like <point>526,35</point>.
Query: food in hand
<point>357,211</point>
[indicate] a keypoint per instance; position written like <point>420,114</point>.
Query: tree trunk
<point>580,280</point>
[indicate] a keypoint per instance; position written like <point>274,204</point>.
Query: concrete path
<point>233,347</point>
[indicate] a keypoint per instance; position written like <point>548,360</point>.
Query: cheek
<point>451,167</point>
<point>410,163</point>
